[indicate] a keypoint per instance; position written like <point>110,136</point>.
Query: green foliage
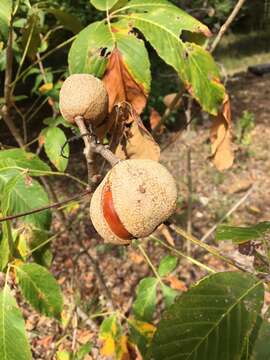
<point>54,140</point>
<point>167,265</point>
<point>13,341</point>
<point>5,14</point>
<point>40,288</point>
<point>240,235</point>
<point>222,306</point>
<point>244,127</point>
<point>162,24</point>
<point>103,4</point>
<point>145,304</point>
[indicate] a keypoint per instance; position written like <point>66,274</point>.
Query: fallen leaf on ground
<point>222,153</point>
<point>176,284</point>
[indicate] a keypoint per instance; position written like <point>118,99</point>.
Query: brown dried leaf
<point>121,86</point>
<point>176,284</point>
<point>222,152</point>
<point>155,118</point>
<point>138,143</point>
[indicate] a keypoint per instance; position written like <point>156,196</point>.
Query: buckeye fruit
<point>133,199</point>
<point>84,95</point>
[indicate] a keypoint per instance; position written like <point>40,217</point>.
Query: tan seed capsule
<point>83,95</point>
<point>133,199</point>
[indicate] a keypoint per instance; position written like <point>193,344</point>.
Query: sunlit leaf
<point>55,139</point>
<point>169,294</point>
<point>118,52</point>
<point>5,14</point>
<point>103,4</point>
<point>146,298</point>
<point>211,320</point>
<point>13,341</point>
<point>21,194</point>
<point>167,265</point>
<point>40,288</point>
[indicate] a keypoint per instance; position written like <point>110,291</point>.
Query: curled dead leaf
<point>121,85</point>
<point>222,153</point>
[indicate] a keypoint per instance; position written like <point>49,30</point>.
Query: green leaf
<point>167,265</point>
<point>13,341</point>
<point>63,355</point>
<point>251,339</point>
<point>145,303</point>
<point>54,139</point>
<point>69,21</point>
<point>261,349</point>
<point>23,159</point>
<point>6,245</point>
<point>86,55</point>
<point>240,235</point>
<point>40,288</point>
<point>103,4</point>
<point>162,25</point>
<point>211,320</point>
<point>83,351</point>
<point>22,194</point>
<point>169,295</point>
<point>5,15</point>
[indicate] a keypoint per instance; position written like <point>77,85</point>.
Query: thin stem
<point>150,263</point>
<point>45,173</point>
<point>43,208</point>
<point>58,47</point>
<point>206,247</point>
<point>185,256</point>
<point>226,25</point>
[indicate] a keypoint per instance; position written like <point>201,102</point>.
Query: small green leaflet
<point>13,341</point>
<point>55,139</point>
<point>240,235</point>
<point>103,4</point>
<point>40,288</point>
<point>169,294</point>
<point>145,303</point>
<point>211,320</point>
<point>167,265</point>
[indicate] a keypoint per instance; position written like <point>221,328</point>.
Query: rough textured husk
<point>97,218</point>
<point>144,195</point>
<point>85,95</point>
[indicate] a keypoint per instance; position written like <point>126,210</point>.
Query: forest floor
<point>213,195</point>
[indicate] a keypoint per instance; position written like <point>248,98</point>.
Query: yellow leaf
<point>45,88</point>
<point>108,348</point>
<point>146,329</point>
<point>122,350</point>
